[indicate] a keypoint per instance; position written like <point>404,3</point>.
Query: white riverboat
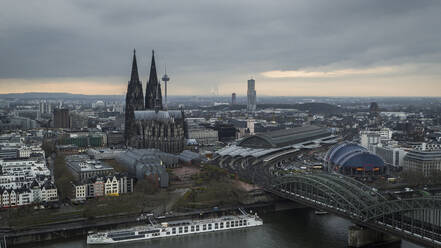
<point>175,228</point>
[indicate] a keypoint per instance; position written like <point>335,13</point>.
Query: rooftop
<point>82,163</point>
<point>281,138</point>
<point>429,155</point>
<point>164,116</point>
<point>352,155</point>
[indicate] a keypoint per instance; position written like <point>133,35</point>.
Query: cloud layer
<point>207,44</point>
<point>327,74</point>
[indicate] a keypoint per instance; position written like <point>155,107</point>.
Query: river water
<point>298,228</point>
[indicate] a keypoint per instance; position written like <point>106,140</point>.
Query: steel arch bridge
<point>415,219</point>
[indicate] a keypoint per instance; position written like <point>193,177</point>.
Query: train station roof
<point>285,137</point>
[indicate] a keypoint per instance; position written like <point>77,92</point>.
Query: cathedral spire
<point>153,76</point>
<point>134,101</point>
<point>134,76</point>
<point>153,95</point>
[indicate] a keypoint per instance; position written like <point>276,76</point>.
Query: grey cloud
<point>95,38</point>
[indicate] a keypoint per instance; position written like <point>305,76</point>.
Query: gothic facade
<point>164,130</point>
<point>148,126</point>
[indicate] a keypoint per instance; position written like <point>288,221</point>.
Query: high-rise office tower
<point>42,107</point>
<point>251,95</point>
<point>61,118</point>
<point>45,107</point>
<point>233,99</point>
<point>49,108</point>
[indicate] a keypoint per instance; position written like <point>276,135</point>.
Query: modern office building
<point>427,162</point>
<point>61,118</point>
<point>392,156</point>
<point>8,152</point>
<point>83,167</point>
<point>197,131</point>
<point>45,107</point>
<point>251,95</point>
<point>369,139</point>
<point>250,126</point>
<point>233,99</point>
<point>115,138</point>
<point>203,136</point>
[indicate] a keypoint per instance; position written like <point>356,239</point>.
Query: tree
<point>146,186</point>
<point>434,177</point>
<point>414,177</point>
<point>63,178</point>
<point>48,147</point>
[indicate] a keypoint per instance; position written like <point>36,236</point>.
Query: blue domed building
<point>354,160</point>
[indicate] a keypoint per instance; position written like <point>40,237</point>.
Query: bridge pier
<point>360,237</point>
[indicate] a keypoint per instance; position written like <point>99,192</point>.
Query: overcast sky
<point>293,47</point>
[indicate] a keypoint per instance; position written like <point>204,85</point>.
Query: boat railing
<point>152,221</point>
<point>242,211</point>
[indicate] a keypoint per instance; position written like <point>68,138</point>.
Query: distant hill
<point>313,107</point>
<point>42,95</point>
<point>319,108</point>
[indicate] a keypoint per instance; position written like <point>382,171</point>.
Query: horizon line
<point>229,95</point>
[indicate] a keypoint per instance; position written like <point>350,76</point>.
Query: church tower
<point>134,101</point>
<point>153,94</point>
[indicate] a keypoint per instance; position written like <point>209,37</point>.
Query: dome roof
<point>353,155</point>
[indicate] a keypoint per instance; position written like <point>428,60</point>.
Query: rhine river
<point>298,228</point>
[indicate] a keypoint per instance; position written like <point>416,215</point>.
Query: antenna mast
<point>165,78</point>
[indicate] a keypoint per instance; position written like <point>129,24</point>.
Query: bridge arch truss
<point>417,219</point>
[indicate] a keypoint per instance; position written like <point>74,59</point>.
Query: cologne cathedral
<point>147,125</point>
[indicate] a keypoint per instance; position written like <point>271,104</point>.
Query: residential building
<point>80,191</point>
<point>7,152</point>
<point>49,192</point>
<point>98,186</point>
<point>24,152</point>
<point>126,185</point>
<point>113,185</point>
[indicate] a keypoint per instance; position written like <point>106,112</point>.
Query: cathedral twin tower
<point>153,96</point>
<point>146,124</point>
